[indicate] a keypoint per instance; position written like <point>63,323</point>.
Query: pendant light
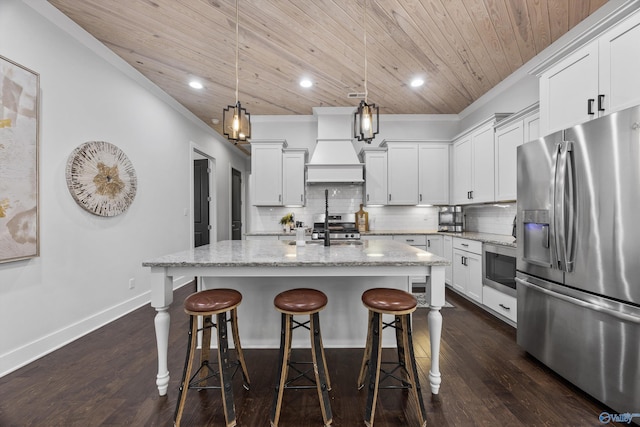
<point>366,118</point>
<point>236,121</point>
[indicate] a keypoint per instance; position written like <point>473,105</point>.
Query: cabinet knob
<point>367,197</point>
<point>504,307</point>
<point>590,102</point>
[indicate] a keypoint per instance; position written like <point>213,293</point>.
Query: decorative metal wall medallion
<point>101,178</point>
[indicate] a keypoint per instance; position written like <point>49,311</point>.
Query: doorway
<point>236,204</point>
<point>201,202</point>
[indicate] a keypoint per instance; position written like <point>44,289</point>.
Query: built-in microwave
<point>499,268</point>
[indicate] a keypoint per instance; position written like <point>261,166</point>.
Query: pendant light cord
<point>237,49</point>
<point>364,25</point>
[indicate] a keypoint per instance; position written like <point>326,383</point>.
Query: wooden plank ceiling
<point>461,48</point>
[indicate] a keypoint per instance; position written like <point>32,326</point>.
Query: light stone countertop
<point>278,253</point>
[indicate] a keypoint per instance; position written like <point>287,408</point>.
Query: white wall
<point>81,279</point>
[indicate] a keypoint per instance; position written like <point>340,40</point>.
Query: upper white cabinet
<point>597,79</point>
<point>418,173</point>
<point>293,161</point>
<point>266,172</point>
<point>277,174</point>
<point>402,178</point>
<point>512,132</point>
<point>433,174</point>
<point>473,164</point>
<point>375,175</point>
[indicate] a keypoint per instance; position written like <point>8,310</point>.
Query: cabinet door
<point>482,166</point>
<point>507,140</point>
<point>375,181</point>
<point>461,171</point>
<point>293,178</point>
<point>433,174</point>
<point>460,271</point>
<point>567,87</point>
<point>447,247</point>
<point>474,283</point>
<point>620,65</point>
<point>266,171</point>
<point>435,245</point>
<point>402,182</point>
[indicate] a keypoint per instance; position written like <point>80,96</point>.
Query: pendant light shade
<point>366,118</point>
<point>236,121</point>
<point>365,122</point>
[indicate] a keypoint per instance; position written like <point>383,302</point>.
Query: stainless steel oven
<point>499,268</point>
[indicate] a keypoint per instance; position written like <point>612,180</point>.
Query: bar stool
<point>296,302</point>
<point>208,303</point>
<point>400,304</point>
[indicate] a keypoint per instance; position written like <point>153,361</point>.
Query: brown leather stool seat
<point>213,302</point>
<point>400,304</point>
<point>295,302</point>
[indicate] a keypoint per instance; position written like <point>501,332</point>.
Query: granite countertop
<point>496,239</point>
<point>277,253</point>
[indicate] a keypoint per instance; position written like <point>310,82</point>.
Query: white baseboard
<point>22,356</point>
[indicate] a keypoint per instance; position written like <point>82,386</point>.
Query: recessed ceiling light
<point>306,83</point>
<point>195,84</point>
<point>417,82</point>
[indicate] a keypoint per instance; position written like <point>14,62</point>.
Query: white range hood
<point>334,159</point>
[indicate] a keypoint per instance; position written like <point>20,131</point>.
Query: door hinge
<point>209,227</point>
<point>208,170</point>
<point>208,198</point>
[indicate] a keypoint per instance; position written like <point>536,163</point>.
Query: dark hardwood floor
<point>107,379</point>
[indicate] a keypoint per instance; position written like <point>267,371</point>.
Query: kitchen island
<point>261,269</point>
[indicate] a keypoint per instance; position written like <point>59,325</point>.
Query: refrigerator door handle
<point>581,303</point>
<point>564,201</point>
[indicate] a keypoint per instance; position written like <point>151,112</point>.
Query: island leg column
<point>435,325</point>
<point>161,299</point>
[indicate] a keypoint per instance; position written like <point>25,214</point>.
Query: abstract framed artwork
<point>19,210</point>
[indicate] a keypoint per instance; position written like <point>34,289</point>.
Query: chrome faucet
<point>327,238</point>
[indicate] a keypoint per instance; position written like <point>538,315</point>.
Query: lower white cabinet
<point>419,241</point>
<point>467,268</point>
<point>503,304</point>
<point>447,252</point>
<point>435,245</point>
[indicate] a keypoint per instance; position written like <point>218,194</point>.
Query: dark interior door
<point>236,205</point>
<point>201,201</point>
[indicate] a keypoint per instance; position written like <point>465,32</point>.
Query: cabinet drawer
<point>412,239</point>
<point>500,303</point>
<point>468,245</point>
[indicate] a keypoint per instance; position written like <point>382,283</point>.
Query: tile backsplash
<point>346,198</point>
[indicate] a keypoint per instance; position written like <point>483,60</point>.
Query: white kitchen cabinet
<point>598,79</point>
<point>266,172</point>
<point>293,179</point>
<point>461,170</point>
<point>433,174</point>
<point>375,176</point>
<point>473,165</point>
<point>501,303</point>
<point>519,128</point>
<point>447,252</point>
<point>435,245</point>
<point>402,169</point>
<point>418,241</point>
<point>467,268</point>
<point>418,173</point>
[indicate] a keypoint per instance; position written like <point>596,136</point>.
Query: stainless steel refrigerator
<point>578,266</point>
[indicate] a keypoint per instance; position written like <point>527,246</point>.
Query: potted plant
<point>287,222</point>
